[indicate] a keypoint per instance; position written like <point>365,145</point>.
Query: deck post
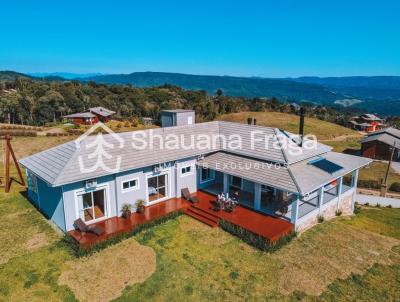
<point>340,184</point>
<point>354,185</point>
<point>257,196</point>
<point>295,211</point>
<point>226,183</point>
<point>320,199</point>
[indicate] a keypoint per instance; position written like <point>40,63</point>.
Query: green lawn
<point>340,260</point>
<point>376,171</point>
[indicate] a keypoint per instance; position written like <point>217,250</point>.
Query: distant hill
<point>8,75</point>
<point>63,75</point>
<point>378,94</point>
<point>234,86</point>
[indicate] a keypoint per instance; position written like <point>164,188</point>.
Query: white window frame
<point>168,186</point>
<point>136,187</point>
<point>190,120</point>
<point>107,204</point>
<point>212,175</point>
<point>183,174</point>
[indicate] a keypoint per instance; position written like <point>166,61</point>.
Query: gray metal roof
<point>177,110</point>
<point>388,136</point>
<point>262,172</point>
<point>80,115</point>
<point>308,177</point>
<point>101,111</point>
<point>301,177</point>
<point>60,165</point>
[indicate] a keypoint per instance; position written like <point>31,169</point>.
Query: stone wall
<point>328,211</point>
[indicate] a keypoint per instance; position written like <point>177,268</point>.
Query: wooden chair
<point>186,194</point>
<point>84,228</point>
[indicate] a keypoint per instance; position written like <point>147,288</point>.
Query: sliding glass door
<point>92,205</point>
<point>157,188</point>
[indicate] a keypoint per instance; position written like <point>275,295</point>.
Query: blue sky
<point>246,38</point>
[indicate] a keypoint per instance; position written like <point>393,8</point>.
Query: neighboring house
<point>306,184</point>
<point>91,116</point>
<point>378,145</point>
<point>367,123</point>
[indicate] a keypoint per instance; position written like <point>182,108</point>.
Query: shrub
<point>369,184</point>
<point>79,251</point>
<point>366,204</point>
<point>357,210</point>
<point>338,213</point>
<point>389,206</point>
<point>256,240</point>
<point>321,219</point>
<point>378,205</point>
<point>395,187</point>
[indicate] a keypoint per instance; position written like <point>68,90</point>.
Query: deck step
<point>204,214</point>
<point>208,212</point>
<point>201,218</point>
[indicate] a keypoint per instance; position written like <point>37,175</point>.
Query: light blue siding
<point>49,200</point>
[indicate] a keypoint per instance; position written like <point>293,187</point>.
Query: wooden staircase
<point>206,217</point>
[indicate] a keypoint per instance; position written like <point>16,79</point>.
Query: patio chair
<point>84,228</point>
<point>186,194</point>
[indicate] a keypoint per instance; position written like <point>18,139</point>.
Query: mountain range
<point>378,94</point>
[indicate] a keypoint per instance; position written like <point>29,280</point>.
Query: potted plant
<point>140,206</point>
<point>126,210</point>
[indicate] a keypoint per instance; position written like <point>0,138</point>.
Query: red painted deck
<point>116,225</point>
<point>269,227</point>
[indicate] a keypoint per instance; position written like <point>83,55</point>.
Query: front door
<point>93,205</point>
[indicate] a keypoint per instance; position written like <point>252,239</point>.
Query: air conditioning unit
<point>157,168</point>
<point>91,183</point>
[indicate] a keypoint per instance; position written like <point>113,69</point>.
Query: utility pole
<point>384,184</point>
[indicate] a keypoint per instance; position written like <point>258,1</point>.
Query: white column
<point>340,184</point>
<point>257,196</point>
<point>226,182</point>
<point>320,199</point>
<point>354,185</point>
<point>295,211</point>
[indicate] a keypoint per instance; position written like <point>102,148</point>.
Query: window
<point>92,205</point>
<point>186,170</point>
<point>206,174</point>
<point>157,187</point>
<point>130,185</point>
<point>236,182</point>
<point>190,120</point>
<point>33,180</point>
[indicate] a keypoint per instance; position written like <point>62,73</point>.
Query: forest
<point>36,102</point>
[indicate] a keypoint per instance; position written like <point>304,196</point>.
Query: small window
<point>236,182</point>
<point>129,185</point>
<point>186,170</point>
<point>206,174</point>
<point>190,120</point>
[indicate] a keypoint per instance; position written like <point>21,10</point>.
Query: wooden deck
<point>116,225</point>
<point>269,227</point>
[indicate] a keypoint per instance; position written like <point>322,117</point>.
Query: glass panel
<point>87,206</point>
<point>205,174</point>
<point>236,182</point>
<point>125,185</point>
<point>99,203</point>
<point>157,187</point>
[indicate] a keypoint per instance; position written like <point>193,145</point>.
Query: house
<point>91,116</point>
<point>177,117</point>
<point>378,145</point>
<point>287,188</point>
<point>366,123</point>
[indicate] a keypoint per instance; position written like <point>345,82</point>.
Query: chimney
<point>301,127</point>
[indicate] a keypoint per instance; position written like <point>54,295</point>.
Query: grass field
<point>376,171</point>
<point>290,122</point>
<point>186,260</point>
